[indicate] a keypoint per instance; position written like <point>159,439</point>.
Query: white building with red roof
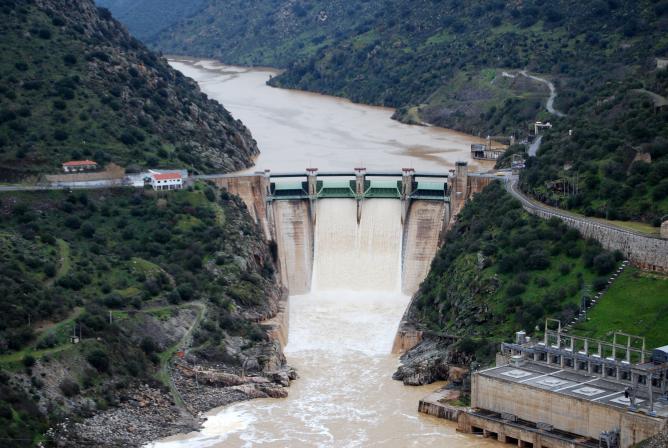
<point>166,181</point>
<point>75,166</point>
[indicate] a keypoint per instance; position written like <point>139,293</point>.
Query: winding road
<point>553,93</point>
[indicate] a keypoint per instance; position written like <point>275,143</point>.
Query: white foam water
<point>340,340</point>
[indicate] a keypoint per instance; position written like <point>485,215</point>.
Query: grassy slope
<point>74,84</point>
<point>637,303</point>
<point>502,270</point>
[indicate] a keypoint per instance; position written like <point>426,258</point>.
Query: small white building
<point>166,181</point>
<point>75,166</point>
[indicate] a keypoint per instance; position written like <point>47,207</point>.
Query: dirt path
<point>182,344</point>
<point>553,93</point>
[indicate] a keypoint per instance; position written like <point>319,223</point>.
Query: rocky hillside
<point>146,18</point>
<point>74,84</point>
<point>439,61</point>
<point>499,271</point>
<point>137,277</point>
<point>477,67</point>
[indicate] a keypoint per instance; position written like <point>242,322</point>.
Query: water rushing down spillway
<point>358,257</point>
<point>340,339</point>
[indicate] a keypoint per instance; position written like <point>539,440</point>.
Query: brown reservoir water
<point>341,332</point>
<point>296,129</point>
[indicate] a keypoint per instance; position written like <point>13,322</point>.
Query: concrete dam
<point>342,221</point>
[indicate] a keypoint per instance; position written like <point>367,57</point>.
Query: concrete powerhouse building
<point>568,391</point>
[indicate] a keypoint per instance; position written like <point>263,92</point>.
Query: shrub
<point>600,283</point>
<point>604,263</point>
<point>99,359</point>
<point>28,361</point>
<point>210,194</point>
<point>50,270</point>
<point>44,33</point>
<point>113,301</point>
<point>69,59</point>
<point>565,269</point>
<point>60,135</point>
<point>148,345</point>
<point>69,387</point>
<point>516,289</point>
<point>87,230</point>
<point>73,222</point>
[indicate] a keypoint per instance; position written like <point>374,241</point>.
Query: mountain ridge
<point>74,84</point>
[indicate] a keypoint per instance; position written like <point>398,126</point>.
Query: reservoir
<point>296,130</point>
<point>341,331</point>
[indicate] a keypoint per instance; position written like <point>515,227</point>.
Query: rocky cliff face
<point>75,84</point>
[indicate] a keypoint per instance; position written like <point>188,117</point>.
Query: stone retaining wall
<point>646,252</point>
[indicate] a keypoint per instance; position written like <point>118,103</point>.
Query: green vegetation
<point>121,252</point>
<point>443,62</point>
<point>502,270</point>
<point>635,304</point>
<point>147,18</point>
<point>74,84</point>
<point>429,53</point>
<point>615,164</point>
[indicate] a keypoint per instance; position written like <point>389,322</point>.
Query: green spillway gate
<point>430,191</point>
<point>390,189</point>
<point>336,189</point>
<point>342,188</point>
<point>289,190</point>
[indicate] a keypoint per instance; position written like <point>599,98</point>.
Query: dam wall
<point>423,229</point>
<point>253,191</point>
<point>293,231</point>
<point>292,222</point>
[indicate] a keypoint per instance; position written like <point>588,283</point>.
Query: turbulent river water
<point>341,332</point>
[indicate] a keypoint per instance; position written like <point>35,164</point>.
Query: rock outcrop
<point>433,359</point>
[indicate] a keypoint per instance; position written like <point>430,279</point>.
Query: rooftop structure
<point>567,391</point>
<point>79,165</point>
<point>166,180</point>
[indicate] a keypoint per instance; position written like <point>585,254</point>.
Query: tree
<point>87,230</point>
<point>99,359</point>
<point>604,263</point>
<point>69,387</point>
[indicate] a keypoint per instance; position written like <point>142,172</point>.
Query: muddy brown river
<point>341,332</point>
<point>297,129</point>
